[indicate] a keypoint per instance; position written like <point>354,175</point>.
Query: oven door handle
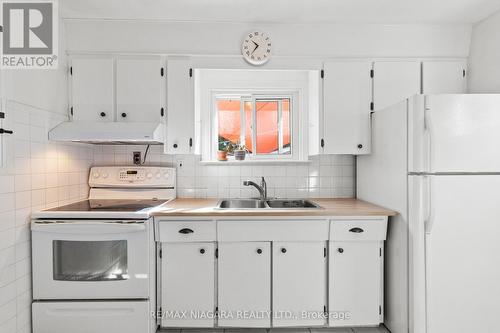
<point>88,227</point>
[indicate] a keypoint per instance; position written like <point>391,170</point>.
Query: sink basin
<point>291,203</point>
<point>242,204</point>
<point>268,204</point>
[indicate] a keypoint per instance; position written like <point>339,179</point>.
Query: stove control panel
<point>132,176</point>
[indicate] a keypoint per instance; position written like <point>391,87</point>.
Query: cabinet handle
<point>190,142</point>
<point>175,145</point>
<point>259,251</point>
<point>4,131</point>
<point>360,146</point>
<point>356,230</point>
<point>103,114</point>
<point>124,115</point>
<point>202,251</point>
<point>340,250</point>
<point>186,231</point>
<point>283,250</point>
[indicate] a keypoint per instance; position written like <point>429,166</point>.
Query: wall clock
<point>256,47</point>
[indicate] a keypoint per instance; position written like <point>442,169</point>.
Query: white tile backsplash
<point>29,182</point>
<point>324,176</point>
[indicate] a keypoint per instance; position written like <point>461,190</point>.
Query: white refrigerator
<point>436,160</point>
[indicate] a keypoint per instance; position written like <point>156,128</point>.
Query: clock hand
<point>256,46</point>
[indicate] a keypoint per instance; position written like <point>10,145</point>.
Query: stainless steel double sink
<point>267,204</point>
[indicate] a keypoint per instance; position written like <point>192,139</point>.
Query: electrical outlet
<point>137,157</point>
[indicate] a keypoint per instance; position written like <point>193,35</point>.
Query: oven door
<point>90,259</point>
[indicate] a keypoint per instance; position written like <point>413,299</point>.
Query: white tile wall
<point>38,174</point>
<point>326,176</point>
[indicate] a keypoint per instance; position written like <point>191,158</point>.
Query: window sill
<point>254,162</point>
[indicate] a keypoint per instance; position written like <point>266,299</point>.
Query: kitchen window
<point>263,124</point>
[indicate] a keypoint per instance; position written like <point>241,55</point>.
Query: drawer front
<point>272,230</point>
<point>358,230</point>
<point>186,231</point>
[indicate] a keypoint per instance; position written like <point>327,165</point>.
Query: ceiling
<point>286,11</point>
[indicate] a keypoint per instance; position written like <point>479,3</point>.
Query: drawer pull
<point>202,251</point>
<point>259,251</point>
<point>356,230</point>
<point>283,250</point>
<point>186,231</point>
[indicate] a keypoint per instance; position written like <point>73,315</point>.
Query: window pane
<point>90,260</point>
<point>267,126</point>
<point>229,118</point>
<point>285,116</point>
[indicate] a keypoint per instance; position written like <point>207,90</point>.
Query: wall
<point>324,176</point>
<point>40,174</point>
<point>484,62</point>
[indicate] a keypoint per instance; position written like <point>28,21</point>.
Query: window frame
<point>254,96</point>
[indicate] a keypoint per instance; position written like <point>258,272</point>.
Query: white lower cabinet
<point>188,284</point>
<point>299,283</point>
<point>244,284</point>
<point>355,283</point>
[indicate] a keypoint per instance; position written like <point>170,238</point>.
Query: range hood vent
<point>131,133</point>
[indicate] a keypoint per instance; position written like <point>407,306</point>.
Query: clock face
<point>256,48</point>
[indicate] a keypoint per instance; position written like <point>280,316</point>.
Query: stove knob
<point>158,175</point>
<point>149,175</point>
<point>104,175</point>
<point>95,175</point>
<point>167,175</point>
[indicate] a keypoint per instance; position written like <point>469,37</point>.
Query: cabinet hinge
<point>2,115</point>
<point>464,72</point>
<point>71,70</point>
<point>71,110</point>
<point>190,72</point>
<point>162,112</point>
<point>322,74</point>
<point>216,253</point>
<point>322,143</point>
<point>162,71</point>
<point>324,252</point>
<point>372,73</point>
<point>372,106</point>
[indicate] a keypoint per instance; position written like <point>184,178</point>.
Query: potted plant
<point>239,152</point>
<point>222,152</point>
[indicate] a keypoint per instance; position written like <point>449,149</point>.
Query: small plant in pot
<point>239,152</point>
<point>223,150</point>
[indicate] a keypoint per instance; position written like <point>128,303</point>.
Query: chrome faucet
<point>262,188</point>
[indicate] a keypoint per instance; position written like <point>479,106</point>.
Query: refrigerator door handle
<point>429,218</point>
<point>428,135</point>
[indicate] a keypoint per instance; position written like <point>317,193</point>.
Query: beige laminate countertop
<point>330,207</point>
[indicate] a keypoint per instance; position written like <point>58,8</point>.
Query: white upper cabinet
<point>299,283</point>
<point>180,106</point>
<point>92,94</point>
<point>140,90</point>
<point>444,77</point>
<point>395,81</point>
<point>347,97</point>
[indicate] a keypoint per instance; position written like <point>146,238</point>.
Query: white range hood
<point>109,132</point>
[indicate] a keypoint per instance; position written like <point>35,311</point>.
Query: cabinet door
<point>92,89</point>
<point>180,107</point>
<point>187,284</point>
<point>355,283</point>
<point>244,284</point>
<point>443,77</point>
<point>393,82</point>
<point>299,284</point>
<point>347,97</point>
<point>139,90</point>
